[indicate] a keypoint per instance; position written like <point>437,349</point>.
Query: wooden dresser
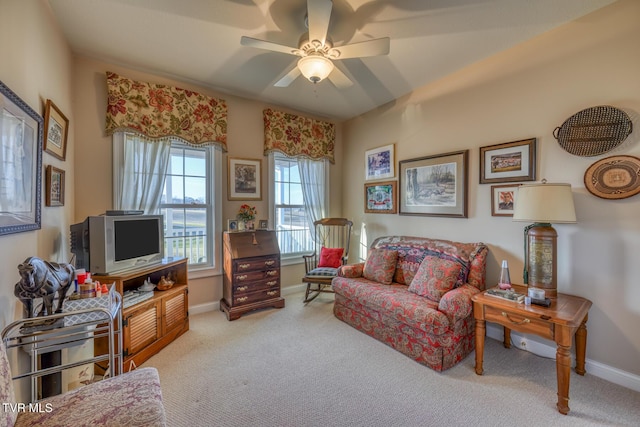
<point>251,272</point>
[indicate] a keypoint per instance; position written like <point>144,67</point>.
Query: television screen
<point>128,243</point>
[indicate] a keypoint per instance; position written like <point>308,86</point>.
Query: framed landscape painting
<point>379,163</point>
<point>508,162</point>
<point>21,171</point>
<point>244,179</point>
<point>434,185</point>
<point>381,197</point>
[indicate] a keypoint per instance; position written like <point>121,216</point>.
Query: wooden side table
<point>566,317</point>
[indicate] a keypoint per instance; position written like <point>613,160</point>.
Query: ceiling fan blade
<point>288,78</point>
<point>373,47</point>
<point>318,16</point>
<point>340,79</point>
<point>263,44</point>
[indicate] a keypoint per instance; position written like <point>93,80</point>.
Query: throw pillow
<point>435,277</point>
<point>380,265</point>
<point>330,257</point>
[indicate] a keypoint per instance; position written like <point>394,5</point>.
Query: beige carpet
<point>300,366</point>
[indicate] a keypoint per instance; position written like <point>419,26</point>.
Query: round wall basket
<point>594,131</point>
<point>616,177</point>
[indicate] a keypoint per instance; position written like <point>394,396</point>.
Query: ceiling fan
<point>316,51</point>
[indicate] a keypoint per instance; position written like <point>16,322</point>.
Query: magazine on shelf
<point>508,294</point>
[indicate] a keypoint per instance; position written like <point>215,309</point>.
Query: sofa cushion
<point>380,265</point>
<point>435,277</point>
<point>394,301</point>
<point>412,250</point>
<point>330,257</point>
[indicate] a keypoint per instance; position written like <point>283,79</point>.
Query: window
<point>291,218</point>
<point>186,205</point>
<point>187,201</point>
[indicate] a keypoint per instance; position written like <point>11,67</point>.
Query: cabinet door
<point>141,328</point>
<point>174,311</point>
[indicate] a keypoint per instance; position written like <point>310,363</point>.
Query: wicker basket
<point>594,131</point>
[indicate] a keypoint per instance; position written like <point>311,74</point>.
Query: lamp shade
<point>315,67</point>
<point>544,203</point>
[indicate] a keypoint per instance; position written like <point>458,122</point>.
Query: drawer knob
<point>522,322</point>
<point>242,299</point>
<point>272,293</point>
<point>271,283</point>
<point>244,276</point>
<point>244,266</point>
<point>269,262</point>
<point>272,272</point>
<point>242,288</point>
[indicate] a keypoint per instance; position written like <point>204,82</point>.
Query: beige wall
<point>93,151</point>
<point>36,65</point>
<point>523,93</point>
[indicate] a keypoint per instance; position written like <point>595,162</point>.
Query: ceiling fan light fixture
<point>315,68</point>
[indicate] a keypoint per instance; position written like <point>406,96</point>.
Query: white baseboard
<point>203,308</point>
<point>600,370</point>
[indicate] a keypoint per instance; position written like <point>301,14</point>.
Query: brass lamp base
<point>541,258</point>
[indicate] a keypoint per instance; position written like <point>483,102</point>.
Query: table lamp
<point>542,204</point>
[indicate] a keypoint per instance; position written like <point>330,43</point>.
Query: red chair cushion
<point>330,257</point>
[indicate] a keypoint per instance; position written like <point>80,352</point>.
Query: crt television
<point>109,244</point>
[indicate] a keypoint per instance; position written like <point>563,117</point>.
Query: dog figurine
<point>42,279</point>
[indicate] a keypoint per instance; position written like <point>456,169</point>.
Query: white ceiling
<point>198,41</point>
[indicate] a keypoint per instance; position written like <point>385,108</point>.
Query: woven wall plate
<point>594,131</point>
<point>616,177</point>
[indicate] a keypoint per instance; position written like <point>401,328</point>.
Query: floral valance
<point>161,111</point>
<point>298,136</point>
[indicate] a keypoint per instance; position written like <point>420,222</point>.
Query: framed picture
<point>379,163</point>
<point>508,162</point>
<point>503,199</point>
<point>244,179</point>
<point>381,197</point>
<point>263,224</point>
<point>54,186</point>
<point>21,174</point>
<point>56,127</point>
<point>232,225</point>
<point>434,185</point>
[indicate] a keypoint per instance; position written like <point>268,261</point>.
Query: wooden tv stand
<point>152,324</point>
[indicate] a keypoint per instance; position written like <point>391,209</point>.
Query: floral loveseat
<point>414,294</point>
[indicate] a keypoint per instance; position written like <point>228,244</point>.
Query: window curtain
<point>141,168</point>
<point>161,111</point>
<point>298,136</point>
<point>313,191</point>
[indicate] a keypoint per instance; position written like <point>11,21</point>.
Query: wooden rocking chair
<point>331,251</point>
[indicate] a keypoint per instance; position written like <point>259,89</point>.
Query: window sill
<point>199,273</point>
<point>291,260</point>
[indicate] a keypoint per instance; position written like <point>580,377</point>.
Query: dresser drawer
<point>519,321</point>
<point>245,288</point>
<point>256,264</point>
<point>248,298</point>
<point>253,276</point>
